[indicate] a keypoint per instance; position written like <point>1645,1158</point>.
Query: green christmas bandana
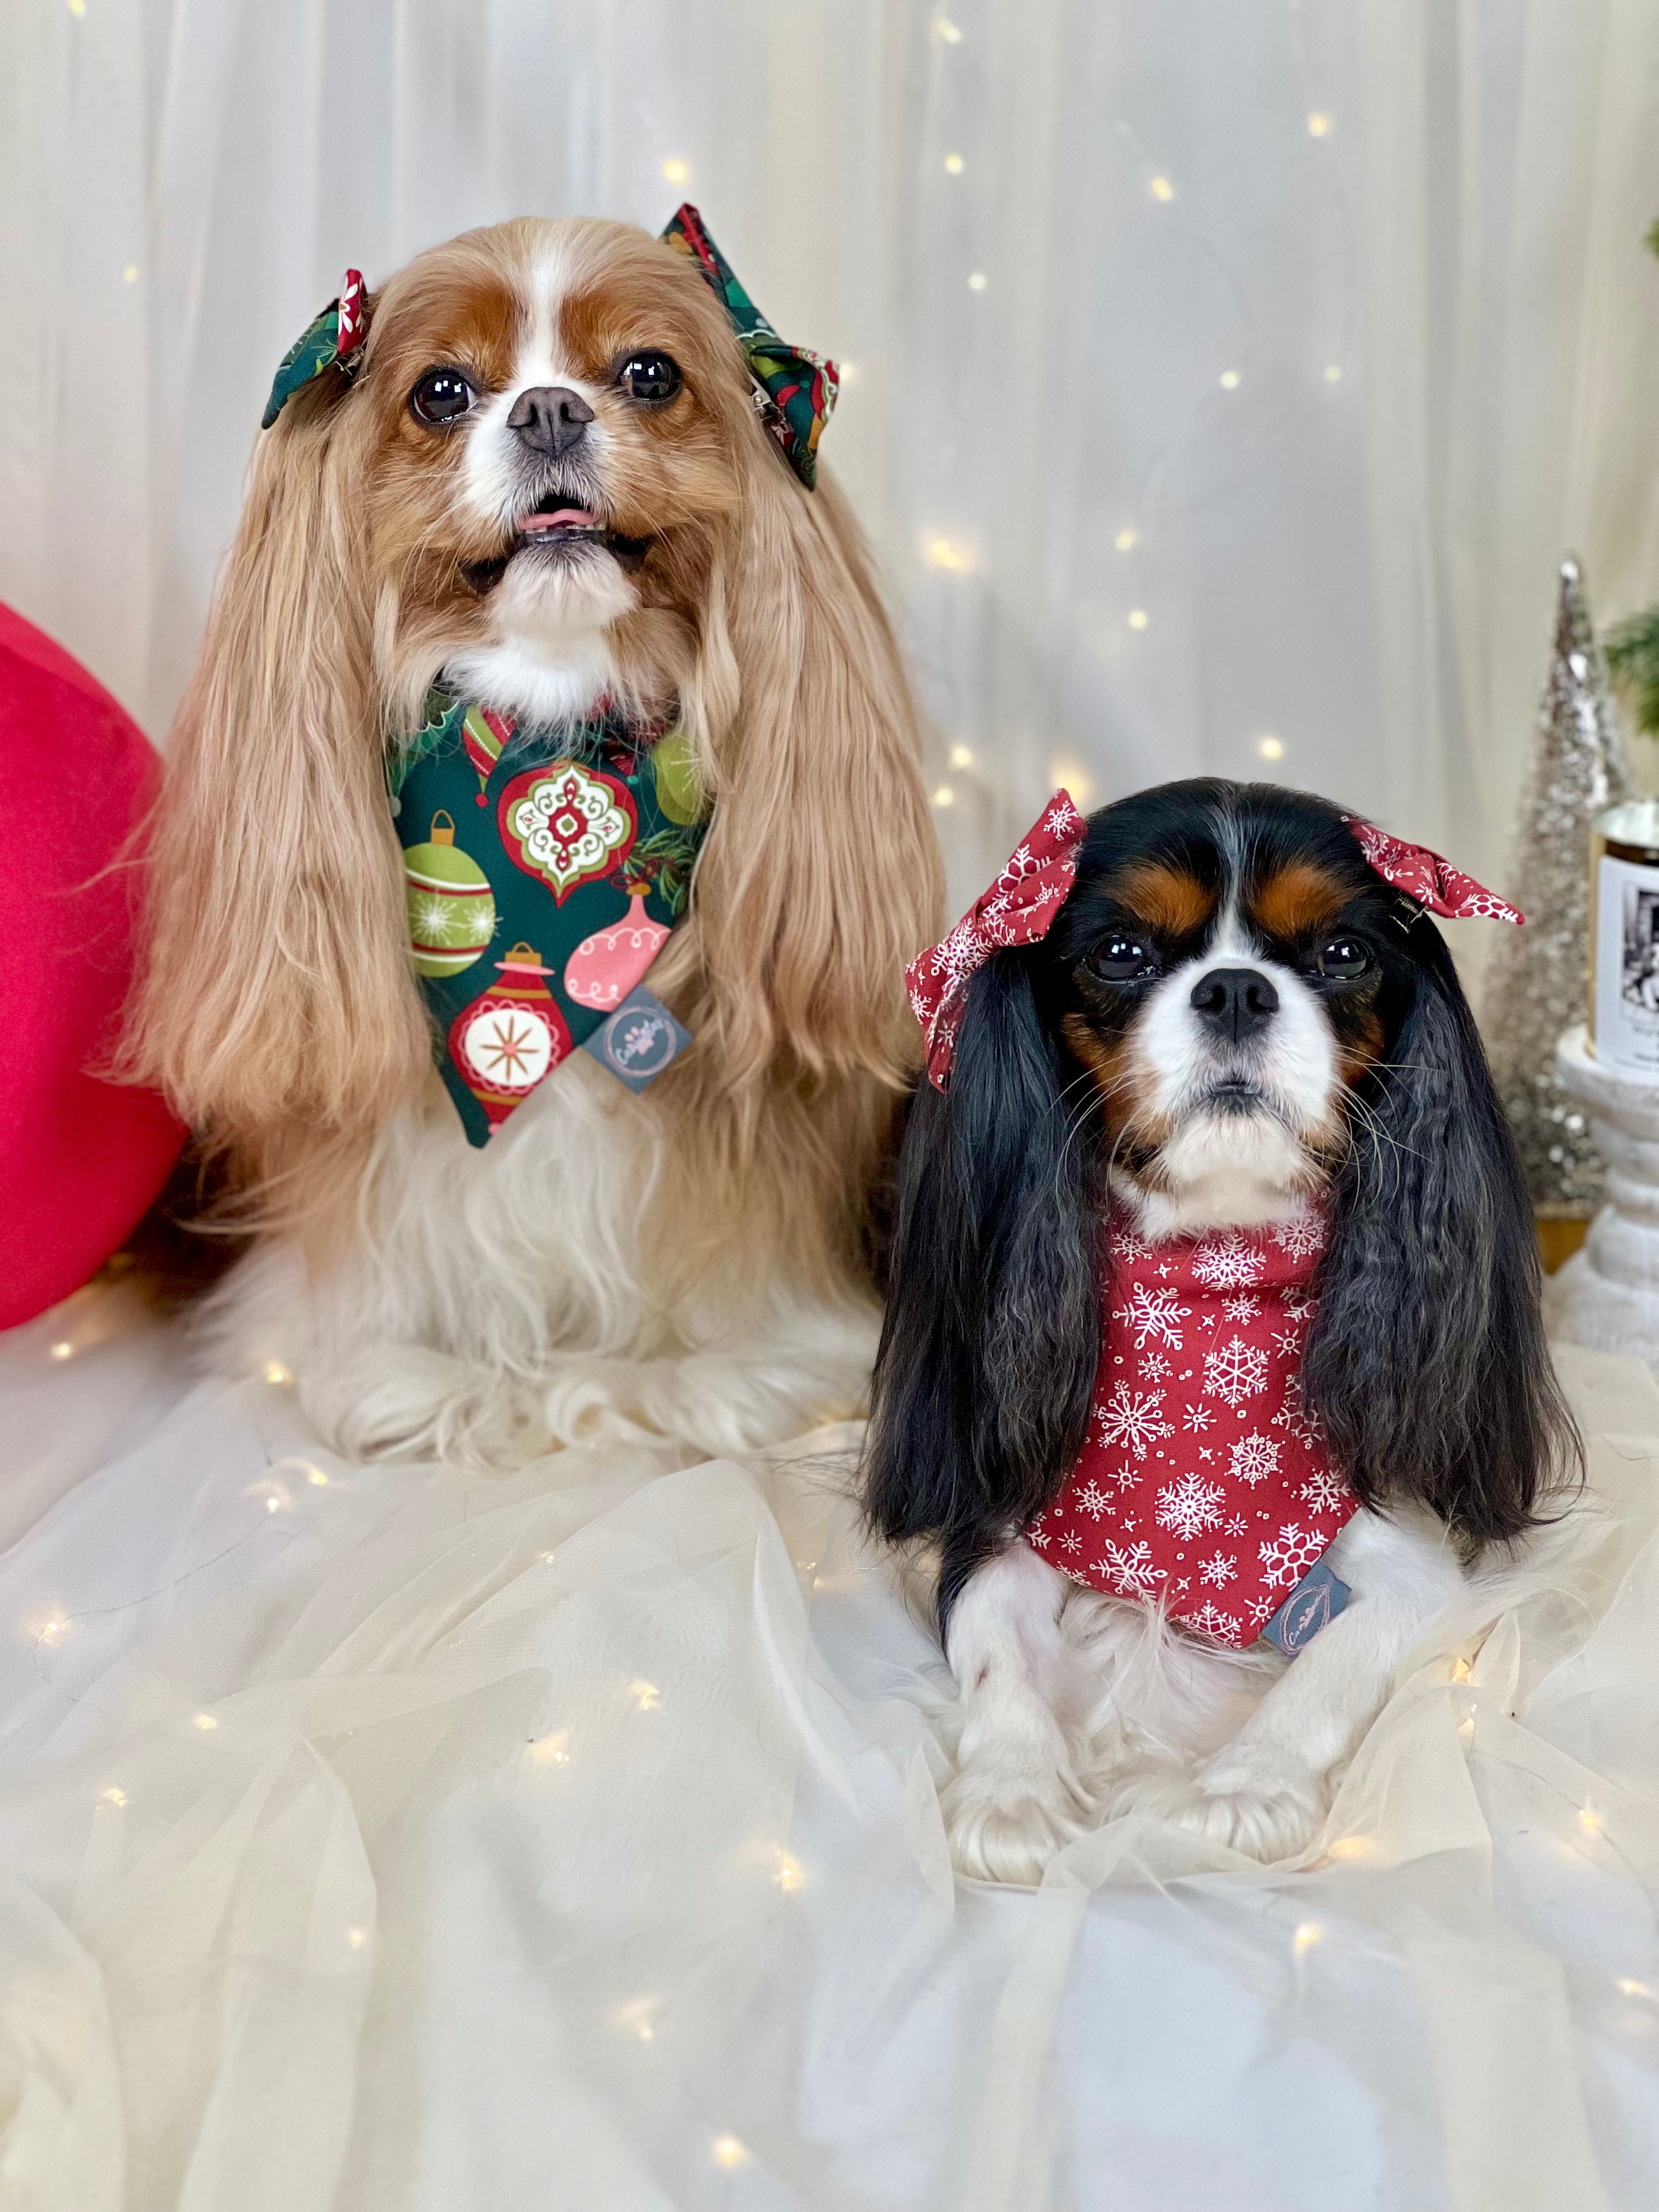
<point>794,390</point>
<point>544,870</point>
<point>331,342</point>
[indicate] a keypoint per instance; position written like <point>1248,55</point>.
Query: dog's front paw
<point>1004,1825</point>
<point>1265,1812</point>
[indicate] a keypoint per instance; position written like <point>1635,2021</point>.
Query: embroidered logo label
<point>1317,1598</point>
<point>565,823</point>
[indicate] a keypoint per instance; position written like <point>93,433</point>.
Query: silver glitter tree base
<point>1536,983</point>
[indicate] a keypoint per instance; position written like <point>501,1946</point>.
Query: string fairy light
<point>62,1349</point>
<point>551,1750</point>
<point>1127,540</point>
<point>729,2151</point>
<point>943,796</point>
<point>676,173</point>
<point>646,1695</point>
<point>1319,124</point>
<point>789,1873</point>
<point>954,165</point>
<point>1073,776</point>
<point>112,1797</point>
<point>1627,1987</point>
<point>1270,748</point>
<point>1333,372</point>
<point>1138,617</point>
<point>961,756</point>
<point>1308,1933</point>
<point>206,1721</point>
<point>638,2018</point>
<point>277,1375</point>
<point>978,281</point>
<point>1591,1820</point>
<point>130,274</point>
<point>1162,189</point>
<point>1230,379</point>
<point>944,553</point>
<point>1353,1847</point>
<point>357,1937</point>
<point>950,32</point>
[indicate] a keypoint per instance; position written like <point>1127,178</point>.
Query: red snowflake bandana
<point>1426,878</point>
<point>1203,1486</point>
<point>1018,908</point>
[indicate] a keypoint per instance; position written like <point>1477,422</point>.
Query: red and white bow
<point>1426,878</point>
<point>354,324</point>
<point>1018,908</point>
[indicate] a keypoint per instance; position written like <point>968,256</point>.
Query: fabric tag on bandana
<point>639,1041</point>
<point>1317,1598</point>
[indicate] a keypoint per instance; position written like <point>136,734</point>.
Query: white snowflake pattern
<point>1125,1477</point>
<point>1300,1238</point>
<point>1197,1419</point>
<point>1126,1245</point>
<point>1288,1340</point>
<point>1091,1499</point>
<point>1154,1315</point>
<point>1235,1524</point>
<point>1299,1307</point>
<point>1133,1419</point>
<point>1253,1459</point>
<point>1228,1263</point>
<point>1243,1307</point>
<point>480,924</point>
<point>1132,1564</point>
<point>1155,1367</point>
<point>1070,1541</point>
<point>1189,1505</point>
<point>1288,1556</point>
<point>1323,1491</point>
<point>1291,1415</point>
<point>1234,1371</point>
<point>433,922</point>
<point>1040,1537</point>
<point>1219,1570</point>
<point>1210,1621</point>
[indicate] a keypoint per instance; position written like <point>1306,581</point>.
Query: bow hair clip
<point>1018,908</point>
<point>1428,878</point>
<point>795,391</point>
<point>333,341</point>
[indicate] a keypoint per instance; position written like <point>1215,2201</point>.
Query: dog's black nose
<point>1238,1001</point>
<point>550,419</point>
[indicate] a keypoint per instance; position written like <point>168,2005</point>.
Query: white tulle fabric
<point>383,1838</point>
<point>1410,231</point>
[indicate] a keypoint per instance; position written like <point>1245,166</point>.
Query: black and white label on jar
<point>1627,964</point>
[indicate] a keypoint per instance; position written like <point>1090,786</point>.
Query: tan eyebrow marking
<point>1296,901</point>
<point>1165,897</point>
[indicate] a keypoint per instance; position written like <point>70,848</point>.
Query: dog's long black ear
<point>992,1338</point>
<point>1427,1361</point>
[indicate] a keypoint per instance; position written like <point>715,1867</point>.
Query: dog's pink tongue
<point>562,518</point>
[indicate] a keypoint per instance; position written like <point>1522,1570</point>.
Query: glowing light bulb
<point>53,1628</point>
<point>130,274</point>
<point>676,173</point>
<point>1354,1847</point>
<point>728,2151</point>
<point>1073,776</point>
<point>944,554</point>
<point>948,31</point>
<point>1161,189</point>
<point>357,1937</point>
<point>1270,748</point>
<point>206,1721</point>
<point>552,1750</point>
<point>1127,540</point>
<point>848,371</point>
<point>1319,125</point>
<point>316,1478</point>
<point>1627,1988</point>
<point>646,1695</point>
<point>112,1797</point>
<point>789,1875</point>
<point>961,756</point>
<point>78,7</point>
<point>978,281</point>
<point>954,165</point>
<point>1308,1932</point>
<point>62,1349</point>
<point>1230,379</point>
<point>1333,373</point>
<point>1138,617</point>
<point>1591,1820</point>
<point>273,1506</point>
<point>944,796</point>
<point>276,1374</point>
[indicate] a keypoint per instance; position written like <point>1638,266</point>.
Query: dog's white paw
<point>1265,1812</point>
<point>1004,1824</point>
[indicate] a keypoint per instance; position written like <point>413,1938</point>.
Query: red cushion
<point>82,1157</point>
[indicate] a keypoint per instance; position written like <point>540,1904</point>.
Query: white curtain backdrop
<point>1221,371</point>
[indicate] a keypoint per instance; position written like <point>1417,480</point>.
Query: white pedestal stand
<point>1606,1295</point>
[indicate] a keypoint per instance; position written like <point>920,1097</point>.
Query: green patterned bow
<point>796,389</point>
<point>331,342</point>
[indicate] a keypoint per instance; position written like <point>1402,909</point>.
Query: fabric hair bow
<point>1431,881</point>
<point>333,341</point>
<point>1018,908</point>
<point>795,391</point>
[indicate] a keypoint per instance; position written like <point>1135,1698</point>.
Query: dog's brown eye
<point>442,395</point>
<point>1124,959</point>
<point>650,376</point>
<point>1342,959</point>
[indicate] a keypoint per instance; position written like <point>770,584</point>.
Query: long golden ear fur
<point>820,878</point>
<point>277,1010</point>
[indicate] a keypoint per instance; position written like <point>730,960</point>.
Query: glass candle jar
<point>1624,990</point>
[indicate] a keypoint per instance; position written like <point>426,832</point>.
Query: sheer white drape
<point>1221,370</point>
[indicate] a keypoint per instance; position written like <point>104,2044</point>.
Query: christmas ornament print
<point>452,909</point>
<point>1534,990</point>
<point>511,1037</point>
<point>1203,1486</point>
<point>483,733</point>
<point>566,823</point>
<point>605,967</point>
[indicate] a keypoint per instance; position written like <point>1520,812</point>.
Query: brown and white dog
<point>689,1261</point>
